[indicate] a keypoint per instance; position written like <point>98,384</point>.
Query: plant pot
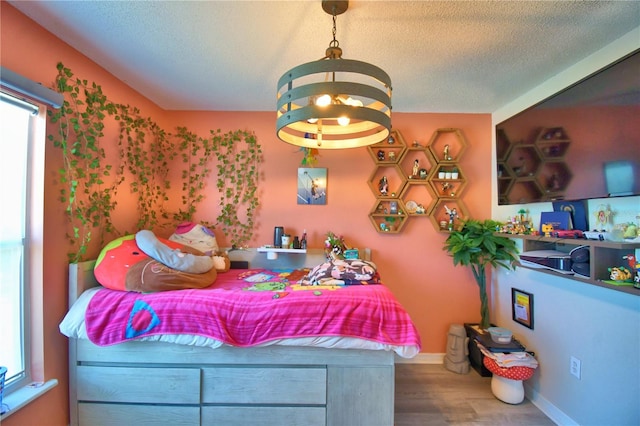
<point>454,175</point>
<point>447,175</point>
<point>440,175</point>
<point>476,357</point>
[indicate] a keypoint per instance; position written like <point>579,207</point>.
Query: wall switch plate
<point>575,367</point>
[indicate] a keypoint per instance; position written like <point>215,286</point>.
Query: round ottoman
<point>506,383</point>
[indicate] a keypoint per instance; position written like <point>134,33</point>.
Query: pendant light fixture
<point>334,103</point>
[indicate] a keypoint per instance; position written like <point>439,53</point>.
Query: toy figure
<point>380,155</point>
<point>445,154</point>
<point>620,274</point>
<point>416,168</point>
<point>453,213</point>
<point>383,186</point>
<point>547,229</point>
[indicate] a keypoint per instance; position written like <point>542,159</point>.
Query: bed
<point>143,377</point>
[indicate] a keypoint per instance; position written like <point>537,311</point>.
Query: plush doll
<point>197,236</point>
<point>202,238</point>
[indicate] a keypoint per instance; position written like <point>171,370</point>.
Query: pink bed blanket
<point>250,308</point>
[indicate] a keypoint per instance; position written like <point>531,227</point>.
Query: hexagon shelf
<point>388,151</point>
<point>388,216</point>
<point>448,214</point>
<point>448,181</point>
<point>418,199</point>
<point>387,181</point>
<point>447,145</point>
<point>417,164</point>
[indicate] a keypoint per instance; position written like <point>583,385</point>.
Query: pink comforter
<point>250,308</point>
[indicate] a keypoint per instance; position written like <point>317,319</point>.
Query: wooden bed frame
<point>163,383</point>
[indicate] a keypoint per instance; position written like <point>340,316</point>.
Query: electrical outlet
<point>575,367</point>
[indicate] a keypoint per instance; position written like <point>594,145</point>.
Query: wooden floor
<point>429,394</point>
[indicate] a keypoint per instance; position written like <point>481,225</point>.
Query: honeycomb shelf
<point>389,151</point>
<point>421,181</point>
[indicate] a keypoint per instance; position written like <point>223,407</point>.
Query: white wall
<point>600,327</point>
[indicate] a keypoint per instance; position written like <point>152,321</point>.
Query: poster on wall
<point>312,186</point>
<point>522,307</point>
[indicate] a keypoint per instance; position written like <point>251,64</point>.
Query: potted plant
<point>454,173</point>
<point>476,245</point>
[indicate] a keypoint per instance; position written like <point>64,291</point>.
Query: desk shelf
<point>602,255</point>
<point>272,252</point>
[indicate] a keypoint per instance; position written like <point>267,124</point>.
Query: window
<point>18,121</point>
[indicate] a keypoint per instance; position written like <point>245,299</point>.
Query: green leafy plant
<point>476,245</point>
<point>239,155</point>
<point>84,176</point>
<point>89,179</point>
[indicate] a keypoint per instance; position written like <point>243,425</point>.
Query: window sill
<point>25,395</point>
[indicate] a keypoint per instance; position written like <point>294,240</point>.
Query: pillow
<point>342,269</point>
<point>122,265</point>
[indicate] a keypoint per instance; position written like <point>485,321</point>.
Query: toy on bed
<point>146,263</point>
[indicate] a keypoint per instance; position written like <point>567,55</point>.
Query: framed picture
<point>522,307</point>
<point>312,186</point>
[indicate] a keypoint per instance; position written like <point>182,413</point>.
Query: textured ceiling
<point>442,56</point>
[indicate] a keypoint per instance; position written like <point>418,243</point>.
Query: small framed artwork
<point>522,307</point>
<point>312,186</point>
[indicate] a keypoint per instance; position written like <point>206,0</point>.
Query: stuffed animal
<point>123,264</point>
<point>197,236</point>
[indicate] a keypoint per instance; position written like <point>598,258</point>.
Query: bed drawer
<point>139,385</point>
<point>264,416</point>
<point>246,385</point>
<point>96,414</point>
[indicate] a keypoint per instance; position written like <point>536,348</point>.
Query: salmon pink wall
<point>33,52</point>
<point>412,262</point>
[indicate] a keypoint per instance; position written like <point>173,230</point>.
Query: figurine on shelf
<point>522,168</point>
<point>392,155</point>
<point>416,168</point>
<point>380,155</point>
<point>383,186</point>
<point>445,154</point>
<point>554,183</point>
<point>603,216</point>
<point>453,213</point>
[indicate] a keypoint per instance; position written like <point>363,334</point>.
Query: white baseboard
<point>551,411</point>
<point>422,358</point>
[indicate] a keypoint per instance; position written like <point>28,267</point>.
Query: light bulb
<point>323,100</point>
<point>343,121</point>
